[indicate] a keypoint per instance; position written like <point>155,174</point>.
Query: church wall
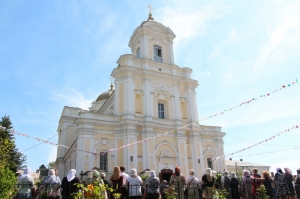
<point>70,136</point>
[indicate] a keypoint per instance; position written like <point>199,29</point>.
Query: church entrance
<point>165,174</point>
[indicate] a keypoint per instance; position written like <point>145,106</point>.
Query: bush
<point>7,183</point>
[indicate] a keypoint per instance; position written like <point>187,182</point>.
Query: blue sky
<point>61,53</point>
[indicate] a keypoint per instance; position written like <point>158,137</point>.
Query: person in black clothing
<point>297,184</point>
<point>106,182</point>
<point>267,181</point>
<point>234,186</point>
<point>67,185</point>
<point>208,182</point>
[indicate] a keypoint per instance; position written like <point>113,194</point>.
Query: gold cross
<point>150,8</point>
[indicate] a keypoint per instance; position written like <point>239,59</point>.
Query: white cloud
<point>52,154</point>
<point>283,35</point>
<point>71,97</point>
<point>216,52</point>
<point>187,21</point>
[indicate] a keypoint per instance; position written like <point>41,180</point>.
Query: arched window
<point>138,104</point>
<point>157,53</point>
<point>138,54</point>
<point>183,110</point>
<point>161,111</point>
<point>103,161</point>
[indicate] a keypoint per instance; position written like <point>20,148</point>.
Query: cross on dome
<point>150,13</point>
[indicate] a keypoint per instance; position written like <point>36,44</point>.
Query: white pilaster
<point>171,55</point>
<point>176,102</point>
<point>148,100</point>
<point>117,97</point>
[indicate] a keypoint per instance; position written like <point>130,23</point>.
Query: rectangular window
<point>161,111</point>
<point>157,53</point>
<point>210,163</point>
<point>103,162</point>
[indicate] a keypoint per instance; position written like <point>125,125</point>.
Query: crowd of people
<point>281,185</point>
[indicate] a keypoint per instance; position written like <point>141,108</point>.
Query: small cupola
<point>152,40</point>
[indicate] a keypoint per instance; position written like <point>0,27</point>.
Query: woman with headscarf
<point>67,185</point>
<point>152,185</point>
<point>52,185</point>
<point>297,184</point>
<point>234,186</point>
<point>289,183</point>
<point>246,185</point>
<point>97,181</point>
<point>192,185</point>
<point>116,181</point>
<point>267,182</point>
<point>279,179</point>
<point>225,184</point>
<point>178,182</point>
<point>133,184</point>
<point>208,182</point>
<point>25,183</point>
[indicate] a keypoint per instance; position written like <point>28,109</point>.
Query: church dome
<point>102,96</point>
<point>105,95</point>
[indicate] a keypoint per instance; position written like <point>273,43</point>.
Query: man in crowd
<point>106,182</point>
<point>255,184</point>
<point>178,181</point>
<point>125,176</point>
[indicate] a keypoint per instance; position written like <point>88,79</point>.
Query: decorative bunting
<point>265,140</point>
<point>265,152</point>
<point>41,140</point>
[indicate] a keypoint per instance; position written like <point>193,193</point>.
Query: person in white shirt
<point>133,185</point>
<point>125,176</point>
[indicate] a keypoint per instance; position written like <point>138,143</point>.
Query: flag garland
<point>41,140</point>
<point>295,148</point>
<point>166,133</point>
<point>265,140</point>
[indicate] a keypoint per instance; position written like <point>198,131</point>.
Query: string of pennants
<point>258,143</point>
<point>251,100</point>
<point>166,133</point>
<point>295,148</point>
<point>41,140</point>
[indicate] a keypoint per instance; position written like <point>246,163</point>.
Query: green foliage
<point>261,192</point>
<point>170,193</point>
<point>144,177</point>
<point>10,156</point>
<point>7,182</point>
<point>94,191</point>
<point>218,177</point>
<point>220,193</point>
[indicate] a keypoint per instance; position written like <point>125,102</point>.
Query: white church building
<point>151,95</point>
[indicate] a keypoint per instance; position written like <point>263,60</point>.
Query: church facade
<point>151,96</point>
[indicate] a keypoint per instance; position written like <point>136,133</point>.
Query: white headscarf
<point>71,175</point>
<point>133,173</point>
<point>208,171</point>
<point>152,174</point>
<point>223,178</point>
<point>192,175</point>
<point>26,173</point>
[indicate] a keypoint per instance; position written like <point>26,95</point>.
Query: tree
<point>51,164</point>
<point>7,182</point>
<point>10,155</point>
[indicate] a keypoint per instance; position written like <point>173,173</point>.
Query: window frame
<point>157,53</point>
<point>159,104</point>
<point>103,162</point>
<point>210,163</point>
